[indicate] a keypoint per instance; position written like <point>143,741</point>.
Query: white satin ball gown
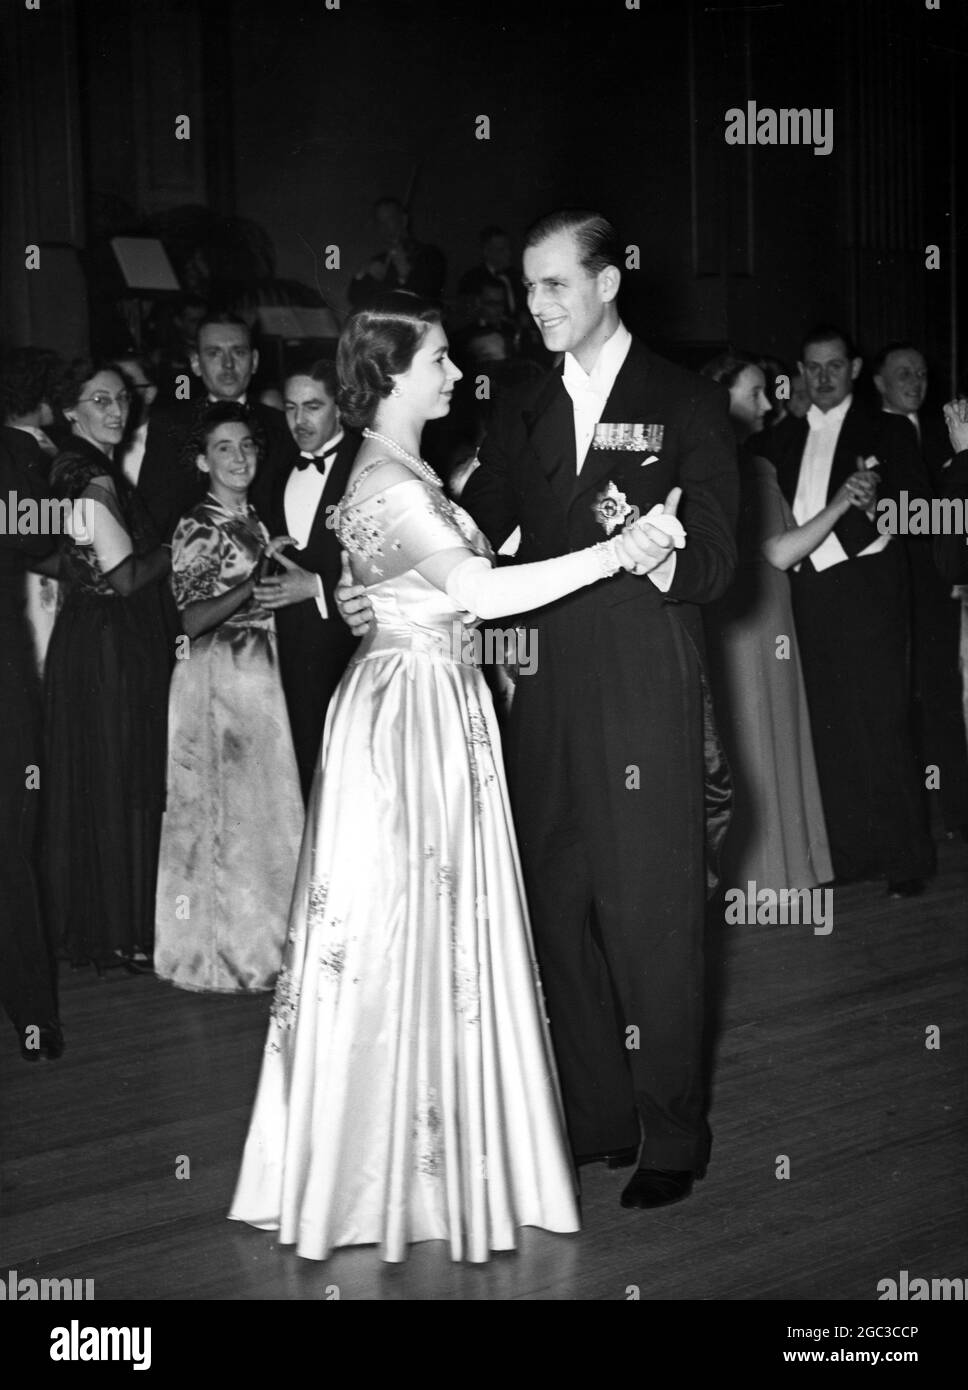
<point>408,1090</point>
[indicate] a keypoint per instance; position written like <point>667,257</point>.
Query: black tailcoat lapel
<point>551,436</point>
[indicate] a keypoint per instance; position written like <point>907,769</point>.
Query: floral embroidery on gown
<point>231,830</point>
<point>408,1090</point>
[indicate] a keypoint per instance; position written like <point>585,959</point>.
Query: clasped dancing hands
<point>649,541</point>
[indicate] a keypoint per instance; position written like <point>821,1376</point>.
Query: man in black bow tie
<point>314,644</point>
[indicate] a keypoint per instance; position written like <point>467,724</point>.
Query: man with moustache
<point>314,644</point>
<point>901,377</point>
<point>225,362</point>
<point>851,602</point>
<point>611,744</point>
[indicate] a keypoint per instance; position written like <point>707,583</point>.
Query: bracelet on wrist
<point>606,554</point>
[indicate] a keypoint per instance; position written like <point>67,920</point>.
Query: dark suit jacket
<point>473,281</point>
<point>170,486</point>
<point>321,554</point>
<point>889,438</point>
<point>936,447</point>
<point>951,551</point>
<point>528,477</point>
<point>313,651</point>
<point>24,469</point>
<point>618,657</point>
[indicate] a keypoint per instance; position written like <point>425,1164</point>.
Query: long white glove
<point>478,588</point>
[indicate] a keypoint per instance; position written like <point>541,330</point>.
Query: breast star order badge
<point>611,508</point>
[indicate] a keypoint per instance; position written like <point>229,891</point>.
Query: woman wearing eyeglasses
<point>106,694</point>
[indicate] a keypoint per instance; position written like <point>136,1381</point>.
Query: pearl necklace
<point>424,469</point>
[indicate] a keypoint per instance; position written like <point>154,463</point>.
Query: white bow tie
<point>818,419</point>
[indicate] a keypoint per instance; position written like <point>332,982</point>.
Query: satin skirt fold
<point>408,1090</point>
<point>234,816</point>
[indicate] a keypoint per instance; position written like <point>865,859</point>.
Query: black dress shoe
<point>657,1187</point>
<point>905,887</point>
<point>614,1158</point>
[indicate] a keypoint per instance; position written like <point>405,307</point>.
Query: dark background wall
<point>301,114</point>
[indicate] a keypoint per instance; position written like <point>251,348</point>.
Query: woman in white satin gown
<point>408,1090</point>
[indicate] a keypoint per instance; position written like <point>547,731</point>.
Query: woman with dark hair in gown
<point>408,1088</point>
<point>234,814</point>
<point>106,696</point>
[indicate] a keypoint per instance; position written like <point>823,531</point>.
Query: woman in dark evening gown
<point>778,835</point>
<point>106,696</point>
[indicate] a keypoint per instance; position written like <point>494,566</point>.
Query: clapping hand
<point>956,418</point>
<point>279,590</point>
<point>860,489</point>
<point>643,546</point>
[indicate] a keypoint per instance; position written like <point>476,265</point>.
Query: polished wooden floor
<point>820,1056</point>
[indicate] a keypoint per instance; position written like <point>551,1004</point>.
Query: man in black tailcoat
<point>314,643</point>
<point>951,544</point>
<point>611,745</point>
<point>28,974</point>
<point>851,602</point>
<point>225,361</point>
<point>900,375</point>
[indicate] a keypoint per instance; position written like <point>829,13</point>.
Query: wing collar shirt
<point>814,483</point>
<point>589,392</point>
<point>304,492</point>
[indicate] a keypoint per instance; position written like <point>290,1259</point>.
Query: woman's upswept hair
<point>28,377</point>
<point>75,375</point>
<point>220,413</point>
<point>378,343</point>
<point>728,367</point>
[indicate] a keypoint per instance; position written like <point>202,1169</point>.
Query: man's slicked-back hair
<point>596,238</point>
<point>323,371</point>
<point>879,360</point>
<point>828,333</point>
<point>219,318</point>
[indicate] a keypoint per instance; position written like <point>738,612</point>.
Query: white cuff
<point>321,598</point>
<point>663,574</point>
